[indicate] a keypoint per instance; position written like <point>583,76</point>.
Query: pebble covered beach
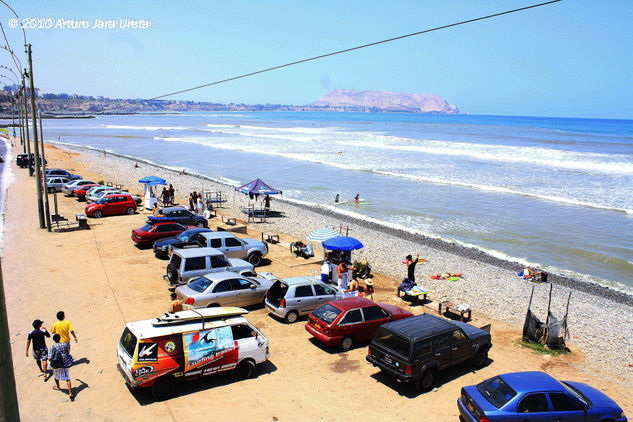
<point>600,319</point>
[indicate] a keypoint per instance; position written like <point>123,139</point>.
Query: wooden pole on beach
<point>47,210</point>
<point>9,410</point>
<point>38,174</point>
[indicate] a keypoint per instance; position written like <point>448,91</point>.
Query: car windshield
<point>184,236</point>
<point>128,342</point>
<point>496,391</point>
<point>326,313</point>
<point>101,200</point>
<point>393,342</point>
<point>147,228</point>
<point>200,284</point>
<point>576,393</point>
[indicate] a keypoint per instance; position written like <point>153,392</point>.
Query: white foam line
<point>6,179</point>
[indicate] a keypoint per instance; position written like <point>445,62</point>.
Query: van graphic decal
<point>207,346</point>
<point>148,352</point>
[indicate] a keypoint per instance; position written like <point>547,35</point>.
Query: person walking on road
<point>64,328</point>
<point>40,351</point>
<point>61,361</point>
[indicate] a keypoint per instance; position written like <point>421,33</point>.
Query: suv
<point>180,215</point>
<point>294,296</point>
<point>55,183</point>
<point>184,264</point>
<point>22,160</point>
<point>249,249</point>
<point>415,349</point>
<point>111,205</point>
<point>62,173</point>
<point>181,346</point>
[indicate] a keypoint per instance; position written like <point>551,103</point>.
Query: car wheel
<point>245,369</point>
<point>291,317</point>
<point>172,273</point>
<point>164,388</point>
<point>130,211</point>
<point>346,343</point>
<point>201,225</point>
<point>480,359</point>
<point>426,381</point>
<point>255,259</point>
<point>51,190</point>
<point>213,305</point>
<point>97,214</point>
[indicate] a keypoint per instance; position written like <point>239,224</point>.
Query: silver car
<point>225,288</point>
<point>92,194</point>
<point>55,184</point>
<point>291,297</point>
<point>68,188</point>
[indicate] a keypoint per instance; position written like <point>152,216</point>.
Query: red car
<point>344,322</point>
<point>80,192</point>
<point>113,204</point>
<point>151,232</point>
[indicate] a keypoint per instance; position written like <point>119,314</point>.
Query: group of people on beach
<point>59,356</point>
<point>195,202</point>
<point>168,196</point>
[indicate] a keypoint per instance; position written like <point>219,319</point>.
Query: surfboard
<point>341,202</point>
<point>198,315</point>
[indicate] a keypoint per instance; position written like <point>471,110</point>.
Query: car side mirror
<point>253,287</point>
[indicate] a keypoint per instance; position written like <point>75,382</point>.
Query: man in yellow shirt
<point>64,329</point>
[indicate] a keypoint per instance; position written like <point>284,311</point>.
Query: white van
<point>185,345</point>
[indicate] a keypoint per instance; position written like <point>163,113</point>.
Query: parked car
<point>251,250</point>
<point>62,173</point>
<point>295,296</point>
<point>180,215</point>
<point>55,184</point>
<point>160,352</point>
<point>415,349</point>
<point>70,186</point>
<point>22,160</point>
<point>535,396</point>
<point>225,288</point>
<point>91,195</point>
<point>352,320</point>
<point>151,232</point>
<point>184,264</point>
<point>111,205</point>
<point>188,238</point>
<point>136,198</point>
<point>80,191</point>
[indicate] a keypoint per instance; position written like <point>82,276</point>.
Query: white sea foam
<point>144,127</point>
<point>6,179</point>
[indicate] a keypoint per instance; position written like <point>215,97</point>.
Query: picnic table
<point>465,315</point>
<point>416,292</point>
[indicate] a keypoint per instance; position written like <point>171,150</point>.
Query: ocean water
<point>554,193</point>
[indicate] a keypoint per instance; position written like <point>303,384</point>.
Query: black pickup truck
<point>415,349</point>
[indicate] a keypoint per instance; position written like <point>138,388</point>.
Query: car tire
<point>426,381</point>
<point>164,388</point>
<point>213,305</point>
<point>97,214</point>
<point>346,343</point>
<point>130,211</point>
<point>172,273</point>
<point>255,259</point>
<point>480,359</point>
<point>51,190</point>
<point>245,369</point>
<point>291,317</point>
<point>201,225</point>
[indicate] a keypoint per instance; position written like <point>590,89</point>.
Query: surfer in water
<point>356,199</point>
<point>336,198</point>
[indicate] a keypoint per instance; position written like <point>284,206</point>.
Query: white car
<point>68,188</point>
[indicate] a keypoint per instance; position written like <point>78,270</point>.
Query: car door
<point>351,324</point>
<point>223,294</point>
<point>374,316</point>
<point>188,218</point>
<point>245,292</point>
<point>305,301</point>
<point>323,294</point>
<point>116,204</point>
<point>195,265</point>
<point>442,349</point>
<point>566,408</point>
<point>461,347</point>
<point>233,247</point>
<point>534,407</point>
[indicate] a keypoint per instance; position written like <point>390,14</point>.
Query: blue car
<point>535,396</point>
<point>188,238</point>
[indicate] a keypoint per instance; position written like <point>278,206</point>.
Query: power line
<point>352,49</point>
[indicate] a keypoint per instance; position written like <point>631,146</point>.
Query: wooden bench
<point>451,308</point>
<point>82,221</point>
<point>229,221</point>
<point>270,238</point>
<point>415,293</point>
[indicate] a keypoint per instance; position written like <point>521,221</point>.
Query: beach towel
<point>406,284</point>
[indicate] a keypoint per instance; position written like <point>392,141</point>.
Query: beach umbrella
<point>325,233</point>
<point>342,243</point>
<point>152,180</point>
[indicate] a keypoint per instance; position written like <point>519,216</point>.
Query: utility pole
<point>38,168</point>
<point>8,397</point>
<point>47,211</point>
<point>13,114</point>
<point>26,124</point>
<point>17,97</point>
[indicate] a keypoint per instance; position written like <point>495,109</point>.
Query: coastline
<point>591,288</point>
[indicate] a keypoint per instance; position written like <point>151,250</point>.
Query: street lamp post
<point>38,168</point>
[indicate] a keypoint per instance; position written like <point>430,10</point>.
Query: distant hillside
<point>386,101</point>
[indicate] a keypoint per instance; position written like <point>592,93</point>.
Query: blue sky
<point>572,58</point>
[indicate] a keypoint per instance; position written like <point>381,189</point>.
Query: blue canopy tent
<point>342,248</point>
<point>255,188</point>
<point>342,243</point>
<point>150,196</point>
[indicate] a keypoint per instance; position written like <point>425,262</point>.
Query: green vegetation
<point>542,349</point>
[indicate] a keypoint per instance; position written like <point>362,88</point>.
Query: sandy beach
<point>102,281</point>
